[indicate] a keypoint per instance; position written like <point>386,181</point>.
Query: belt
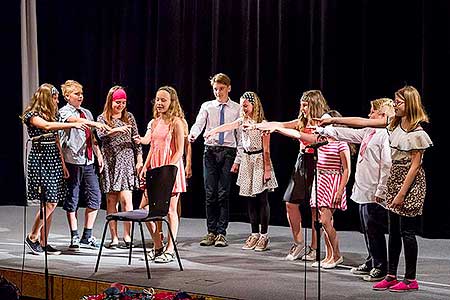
<point>218,148</point>
<point>403,162</point>
<point>253,152</point>
<point>327,171</point>
<point>44,143</point>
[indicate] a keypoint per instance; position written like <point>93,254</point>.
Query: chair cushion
<point>134,215</point>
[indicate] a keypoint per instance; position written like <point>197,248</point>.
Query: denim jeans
<point>82,177</point>
<point>402,229</point>
<point>373,224</point>
<point>217,163</point>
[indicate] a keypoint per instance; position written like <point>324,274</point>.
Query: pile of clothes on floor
<point>118,291</point>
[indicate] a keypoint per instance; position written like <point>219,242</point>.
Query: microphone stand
<point>43,213</point>
<point>317,223</point>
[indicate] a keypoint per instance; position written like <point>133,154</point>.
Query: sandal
<point>166,257</point>
<point>153,253</point>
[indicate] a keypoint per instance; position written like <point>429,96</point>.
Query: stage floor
<point>223,272</point>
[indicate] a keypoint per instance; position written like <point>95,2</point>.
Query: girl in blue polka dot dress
<point>46,168</point>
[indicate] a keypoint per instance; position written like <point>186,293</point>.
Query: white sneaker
<point>310,255</point>
<point>296,251</point>
<point>262,244</point>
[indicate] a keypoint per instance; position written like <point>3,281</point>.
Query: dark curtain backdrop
<point>354,51</point>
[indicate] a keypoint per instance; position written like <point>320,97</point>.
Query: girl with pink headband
<point>122,160</point>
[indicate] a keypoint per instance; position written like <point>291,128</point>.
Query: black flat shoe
<point>112,245</point>
<point>126,244</point>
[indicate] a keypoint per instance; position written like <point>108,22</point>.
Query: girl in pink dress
<point>165,133</point>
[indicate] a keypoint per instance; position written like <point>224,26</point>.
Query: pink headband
<point>119,94</point>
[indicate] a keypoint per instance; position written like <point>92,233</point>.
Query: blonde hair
<point>42,102</point>
<point>414,110</point>
<point>384,105</point>
<point>317,107</point>
<point>220,78</point>
<point>175,109</point>
<point>70,86</point>
<point>258,112</point>
<point>107,109</point>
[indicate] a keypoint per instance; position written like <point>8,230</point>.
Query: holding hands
<point>126,129</point>
<point>324,122</point>
<point>101,126</point>
<point>81,125</point>
<point>267,127</point>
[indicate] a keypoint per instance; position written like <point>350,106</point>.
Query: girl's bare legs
<point>173,221</point>
<point>111,208</point>
<point>295,221</point>
<point>126,204</point>
<point>327,221</point>
<point>151,226</point>
<point>37,230</point>
<point>313,229</point>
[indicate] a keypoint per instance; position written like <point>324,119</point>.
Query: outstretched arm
<point>41,123</point>
<point>145,140</point>
<point>97,125</point>
<point>222,128</point>
<point>287,129</point>
<point>353,122</point>
<point>272,126</point>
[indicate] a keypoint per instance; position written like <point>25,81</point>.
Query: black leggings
<point>402,228</point>
<point>259,212</point>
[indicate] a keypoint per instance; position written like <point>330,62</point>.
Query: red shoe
<point>405,286</point>
<point>384,284</point>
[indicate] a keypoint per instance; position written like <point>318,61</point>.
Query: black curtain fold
<point>354,51</point>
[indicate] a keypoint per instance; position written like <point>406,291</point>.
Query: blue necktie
<point>221,121</point>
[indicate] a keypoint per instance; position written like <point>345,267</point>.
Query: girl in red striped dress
<point>333,172</point>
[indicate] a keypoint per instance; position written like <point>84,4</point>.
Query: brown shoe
<point>220,241</point>
<point>251,241</point>
<point>262,244</point>
<point>208,240</point>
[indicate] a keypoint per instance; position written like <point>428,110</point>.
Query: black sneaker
<point>52,250</point>
<point>361,270</point>
<point>90,243</point>
<point>375,275</point>
<point>74,243</point>
<point>35,247</point>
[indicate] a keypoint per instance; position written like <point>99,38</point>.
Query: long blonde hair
<point>414,110</point>
<point>175,109</point>
<point>107,109</point>
<point>42,102</point>
<point>258,112</point>
<point>317,106</point>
